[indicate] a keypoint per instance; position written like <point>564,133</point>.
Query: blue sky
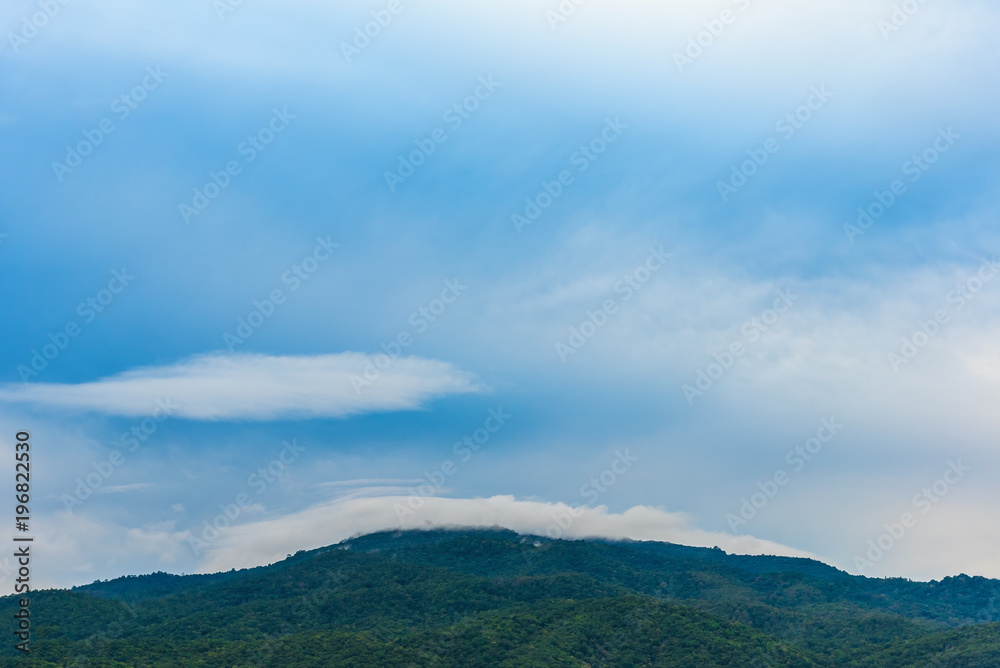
<point>641,144</point>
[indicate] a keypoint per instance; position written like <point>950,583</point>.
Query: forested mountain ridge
<point>496,598</point>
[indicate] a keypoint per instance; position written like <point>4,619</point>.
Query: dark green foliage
<point>493,598</point>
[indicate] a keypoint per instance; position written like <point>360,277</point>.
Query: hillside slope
<point>495,598</point>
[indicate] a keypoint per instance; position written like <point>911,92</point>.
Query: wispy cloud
<point>255,387</point>
<point>371,481</point>
<point>135,487</point>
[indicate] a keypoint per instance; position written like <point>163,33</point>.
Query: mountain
<point>469,598</point>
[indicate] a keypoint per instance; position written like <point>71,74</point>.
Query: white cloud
<point>83,549</point>
<point>778,42</point>
<point>258,387</point>
<point>827,355</point>
<point>135,487</point>
<point>80,550</point>
<point>267,541</point>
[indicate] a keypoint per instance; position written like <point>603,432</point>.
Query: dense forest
<point>469,598</point>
